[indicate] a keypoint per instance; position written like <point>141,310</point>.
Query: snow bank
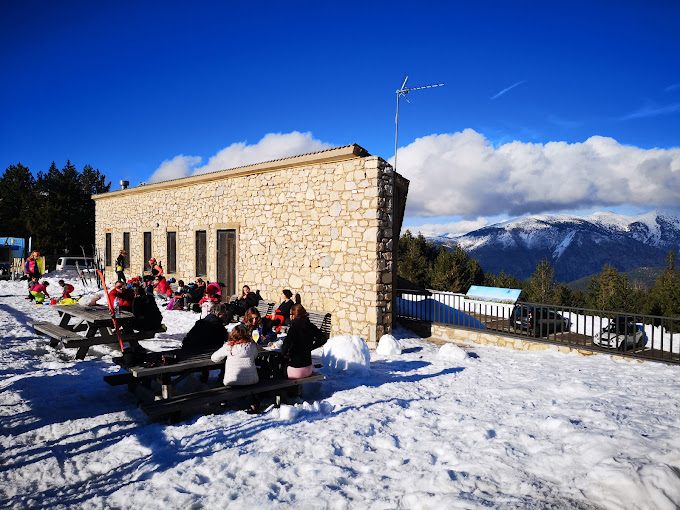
<point>451,352</point>
<point>90,299</point>
<point>346,353</point>
<point>388,346</point>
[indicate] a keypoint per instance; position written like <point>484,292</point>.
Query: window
<point>201,262</point>
<point>107,250</point>
<point>172,252</point>
<point>147,250</point>
<point>126,247</point>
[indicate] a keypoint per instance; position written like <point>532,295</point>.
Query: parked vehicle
<point>69,263</point>
<point>538,320</point>
<point>622,333</point>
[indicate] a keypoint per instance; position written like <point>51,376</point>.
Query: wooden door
<point>147,250</point>
<point>226,260</point>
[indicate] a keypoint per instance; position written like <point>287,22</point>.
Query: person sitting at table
<point>147,315</point>
<point>240,352</point>
<point>302,338</point>
<point>252,320</point>
<point>281,315</point>
<point>207,334</point>
<point>247,299</point>
<point>124,295</point>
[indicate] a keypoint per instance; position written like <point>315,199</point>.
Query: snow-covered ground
<point>498,428</point>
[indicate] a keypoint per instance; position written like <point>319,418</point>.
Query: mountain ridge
<point>576,246</point>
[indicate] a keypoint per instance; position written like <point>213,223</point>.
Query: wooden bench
<point>55,332</point>
<point>265,308</point>
<point>322,321</point>
<point>176,407</point>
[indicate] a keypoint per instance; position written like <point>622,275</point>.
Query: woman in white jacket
<point>240,352</point>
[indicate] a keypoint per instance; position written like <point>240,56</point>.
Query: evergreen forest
<point>54,208</point>
<point>429,266</point>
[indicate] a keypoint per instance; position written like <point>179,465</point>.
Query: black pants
<point>121,276</point>
<point>234,309</point>
<point>269,324</point>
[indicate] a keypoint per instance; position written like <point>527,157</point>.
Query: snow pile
<point>90,299</point>
<point>388,346</point>
<point>305,409</point>
<point>451,352</point>
<point>346,353</point>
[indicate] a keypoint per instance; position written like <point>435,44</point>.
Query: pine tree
<point>17,196</point>
<point>62,219</point>
<point>540,287</point>
<point>665,295</point>
<point>610,290</point>
<point>413,264</point>
<point>503,280</point>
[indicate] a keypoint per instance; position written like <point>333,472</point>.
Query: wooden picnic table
<point>155,382</point>
<point>140,376</point>
<point>94,321</point>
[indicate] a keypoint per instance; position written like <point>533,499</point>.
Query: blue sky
<point>126,86</point>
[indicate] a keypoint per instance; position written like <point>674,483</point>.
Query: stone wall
<point>320,225</point>
<point>465,336</point>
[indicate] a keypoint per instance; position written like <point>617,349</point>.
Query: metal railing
<point>649,337</point>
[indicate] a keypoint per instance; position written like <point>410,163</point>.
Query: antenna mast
<point>402,92</point>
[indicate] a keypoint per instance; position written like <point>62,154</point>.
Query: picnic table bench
<point>97,324</point>
<point>155,384</point>
<point>175,407</point>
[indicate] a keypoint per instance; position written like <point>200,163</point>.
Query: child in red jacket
<point>66,289</point>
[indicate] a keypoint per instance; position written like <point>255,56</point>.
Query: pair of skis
<point>112,310</point>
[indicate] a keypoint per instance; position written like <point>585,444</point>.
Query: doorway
<point>226,260</point>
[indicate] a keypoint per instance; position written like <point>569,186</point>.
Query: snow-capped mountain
<point>576,246</point>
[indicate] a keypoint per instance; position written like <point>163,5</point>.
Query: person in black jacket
<point>302,338</point>
<point>209,333</point>
<point>281,315</point>
<point>147,315</point>
<point>248,299</point>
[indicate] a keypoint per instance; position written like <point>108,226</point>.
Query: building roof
<point>325,156</point>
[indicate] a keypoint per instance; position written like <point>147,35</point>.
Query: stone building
<point>324,224</point>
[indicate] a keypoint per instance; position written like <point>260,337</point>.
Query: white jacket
<point>239,367</point>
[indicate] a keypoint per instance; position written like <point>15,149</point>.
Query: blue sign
<point>494,294</point>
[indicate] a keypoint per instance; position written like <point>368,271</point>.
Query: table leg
<point>65,318</point>
<point>82,352</point>
<point>166,386</point>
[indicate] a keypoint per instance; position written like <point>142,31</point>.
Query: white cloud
<point>179,166</point>
<point>453,228</point>
<point>271,146</point>
<point>652,110</point>
<point>462,174</point>
<point>506,90</point>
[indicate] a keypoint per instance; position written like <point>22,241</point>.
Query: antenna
<point>402,93</point>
